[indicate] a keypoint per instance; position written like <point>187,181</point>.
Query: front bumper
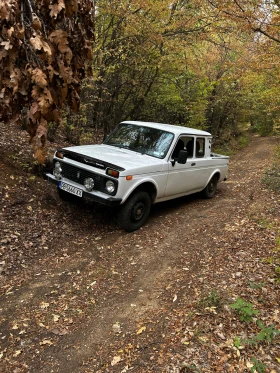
<point>96,196</point>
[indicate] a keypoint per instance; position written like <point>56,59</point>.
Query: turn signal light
<point>113,173</point>
<point>129,177</point>
<point>59,154</point>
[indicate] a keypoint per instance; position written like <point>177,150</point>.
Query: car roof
<point>178,130</point>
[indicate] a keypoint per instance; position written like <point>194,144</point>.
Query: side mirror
<point>182,157</point>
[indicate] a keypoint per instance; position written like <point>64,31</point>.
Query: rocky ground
<point>195,290</point>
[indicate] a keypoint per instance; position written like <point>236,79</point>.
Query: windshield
<point>140,139</point>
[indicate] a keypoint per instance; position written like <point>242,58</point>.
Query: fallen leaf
<point>46,342</point>
<point>141,330</point>
<point>56,318</point>
<point>44,305</point>
<point>59,331</point>
<point>18,352</point>
<point>116,360</point>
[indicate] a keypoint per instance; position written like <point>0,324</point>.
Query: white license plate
<point>70,189</point>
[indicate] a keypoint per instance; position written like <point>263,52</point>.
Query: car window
<point>141,139</point>
<point>200,147</point>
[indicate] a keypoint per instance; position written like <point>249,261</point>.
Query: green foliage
<point>243,141</point>
<point>51,130</point>
<point>211,300</point>
<point>271,177</point>
<point>230,144</point>
<point>258,366</point>
<point>244,309</point>
<point>256,285</point>
<point>266,335</point>
<point>237,342</point>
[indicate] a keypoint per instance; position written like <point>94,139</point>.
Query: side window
<point>194,146</point>
<point>179,146</point>
<point>200,147</point>
<point>190,146</point>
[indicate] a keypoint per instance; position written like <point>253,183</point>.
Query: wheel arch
<point>146,186</point>
<point>214,173</point>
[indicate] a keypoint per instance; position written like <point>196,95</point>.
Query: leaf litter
<point>66,282</point>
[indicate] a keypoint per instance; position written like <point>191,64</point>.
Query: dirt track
<point>79,295</point>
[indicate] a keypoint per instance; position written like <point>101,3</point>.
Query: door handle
<point>193,164</point>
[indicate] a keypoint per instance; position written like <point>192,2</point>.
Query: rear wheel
<point>210,190</point>
<point>135,211</point>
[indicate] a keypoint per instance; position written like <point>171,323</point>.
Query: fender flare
<point>145,183</point>
<point>215,172</point>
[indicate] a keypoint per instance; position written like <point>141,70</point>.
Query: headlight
<point>57,170</point>
<point>110,186</point>
<point>89,184</point>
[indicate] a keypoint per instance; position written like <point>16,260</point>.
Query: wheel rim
<point>138,211</point>
<point>212,186</point>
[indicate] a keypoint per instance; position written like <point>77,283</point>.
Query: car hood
<point>124,158</point>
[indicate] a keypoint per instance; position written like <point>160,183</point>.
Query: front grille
<point>79,175</point>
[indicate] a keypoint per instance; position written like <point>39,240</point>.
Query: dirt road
<point>79,295</point>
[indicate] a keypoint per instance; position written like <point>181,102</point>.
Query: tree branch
<point>258,29</point>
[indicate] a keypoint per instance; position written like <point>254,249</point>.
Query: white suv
<point>138,164</point>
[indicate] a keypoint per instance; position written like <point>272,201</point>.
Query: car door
<point>189,177</point>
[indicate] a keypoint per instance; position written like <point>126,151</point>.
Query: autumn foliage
<point>45,51</point>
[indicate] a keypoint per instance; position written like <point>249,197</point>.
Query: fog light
<point>57,170</point>
<point>89,184</point>
<point>110,186</point>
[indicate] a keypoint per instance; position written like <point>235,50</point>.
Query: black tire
<point>210,190</point>
<point>135,211</point>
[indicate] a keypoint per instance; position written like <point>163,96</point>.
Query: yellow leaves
<point>212,310</point>
<point>15,326</point>
<point>18,352</point>
<point>44,305</point>
<point>141,330</point>
<point>47,342</point>
<point>56,317</point>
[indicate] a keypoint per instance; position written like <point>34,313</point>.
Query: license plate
<point>70,189</point>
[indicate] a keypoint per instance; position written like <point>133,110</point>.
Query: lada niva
<point>138,164</point>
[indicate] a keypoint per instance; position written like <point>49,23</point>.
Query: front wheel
<point>135,211</point>
<point>210,190</point>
